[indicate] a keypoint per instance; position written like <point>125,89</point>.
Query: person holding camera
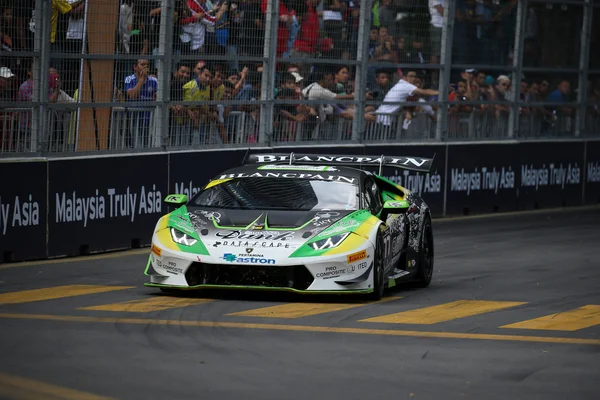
<point>398,94</point>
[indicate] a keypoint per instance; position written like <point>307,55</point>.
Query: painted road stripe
<point>301,328</point>
<point>295,310</point>
<point>157,303</point>
<point>572,320</point>
<point>57,292</point>
<point>17,387</point>
<point>444,312</point>
<point>300,310</point>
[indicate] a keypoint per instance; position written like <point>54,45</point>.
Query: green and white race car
<point>303,223</point>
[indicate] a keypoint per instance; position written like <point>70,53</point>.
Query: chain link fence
<point>82,76</point>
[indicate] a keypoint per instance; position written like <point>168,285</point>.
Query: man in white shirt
<point>401,92</point>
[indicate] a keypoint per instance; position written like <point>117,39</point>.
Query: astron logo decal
<point>20,212</point>
<point>230,257</point>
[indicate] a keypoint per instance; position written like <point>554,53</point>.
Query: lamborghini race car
<point>302,223</point>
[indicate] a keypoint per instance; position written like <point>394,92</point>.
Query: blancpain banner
<point>482,179</point>
<point>413,162</point>
<point>18,211</point>
<point>112,203</point>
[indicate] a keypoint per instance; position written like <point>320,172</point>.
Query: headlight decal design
<point>182,238</point>
<point>175,231</point>
<point>330,242</point>
<point>342,236</point>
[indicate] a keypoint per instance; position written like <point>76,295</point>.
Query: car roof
<point>303,171</point>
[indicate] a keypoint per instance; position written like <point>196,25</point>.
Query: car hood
<point>267,225</point>
<point>244,231</point>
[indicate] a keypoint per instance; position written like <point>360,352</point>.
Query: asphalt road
<point>477,332</point>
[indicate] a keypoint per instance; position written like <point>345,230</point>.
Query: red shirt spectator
<point>199,7</point>
<point>283,32</point>
<point>308,38</point>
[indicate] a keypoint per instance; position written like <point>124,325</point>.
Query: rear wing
<point>411,163</point>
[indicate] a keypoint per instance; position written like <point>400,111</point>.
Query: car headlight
<point>330,242</point>
<point>182,238</point>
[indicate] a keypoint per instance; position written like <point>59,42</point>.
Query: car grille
<point>289,276</point>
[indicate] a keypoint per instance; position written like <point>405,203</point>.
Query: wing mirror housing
<point>176,199</point>
<point>392,207</point>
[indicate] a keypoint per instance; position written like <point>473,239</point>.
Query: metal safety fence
<point>126,75</point>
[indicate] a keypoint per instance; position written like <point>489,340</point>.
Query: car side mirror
<point>391,207</point>
<point>176,199</point>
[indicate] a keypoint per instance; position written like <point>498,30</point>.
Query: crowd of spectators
<point>401,32</point>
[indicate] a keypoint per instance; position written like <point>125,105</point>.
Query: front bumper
<point>322,274</point>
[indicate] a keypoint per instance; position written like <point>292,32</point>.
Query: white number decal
<point>387,247</point>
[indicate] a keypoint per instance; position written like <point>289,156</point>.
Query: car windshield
<point>279,194</point>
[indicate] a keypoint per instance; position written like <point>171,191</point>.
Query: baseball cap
<point>297,76</point>
<point>5,72</point>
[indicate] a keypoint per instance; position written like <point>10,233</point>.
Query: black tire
<point>426,254</point>
<point>378,281</point>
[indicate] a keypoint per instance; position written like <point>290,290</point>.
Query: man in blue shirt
<point>560,114</point>
<point>140,86</point>
<point>561,95</point>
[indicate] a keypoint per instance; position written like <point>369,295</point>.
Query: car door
<point>397,224</point>
<point>373,201</point>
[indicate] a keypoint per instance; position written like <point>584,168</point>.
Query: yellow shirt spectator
<point>193,92</point>
<point>219,92</point>
<point>58,6</point>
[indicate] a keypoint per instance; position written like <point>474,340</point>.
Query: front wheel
<point>378,281</point>
<point>425,271</point>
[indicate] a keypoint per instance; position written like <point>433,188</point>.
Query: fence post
<point>268,74</point>
<point>41,63</point>
<point>517,70</point>
<point>584,62</point>
<point>362,57</point>
<point>165,53</point>
<point>441,128</point>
